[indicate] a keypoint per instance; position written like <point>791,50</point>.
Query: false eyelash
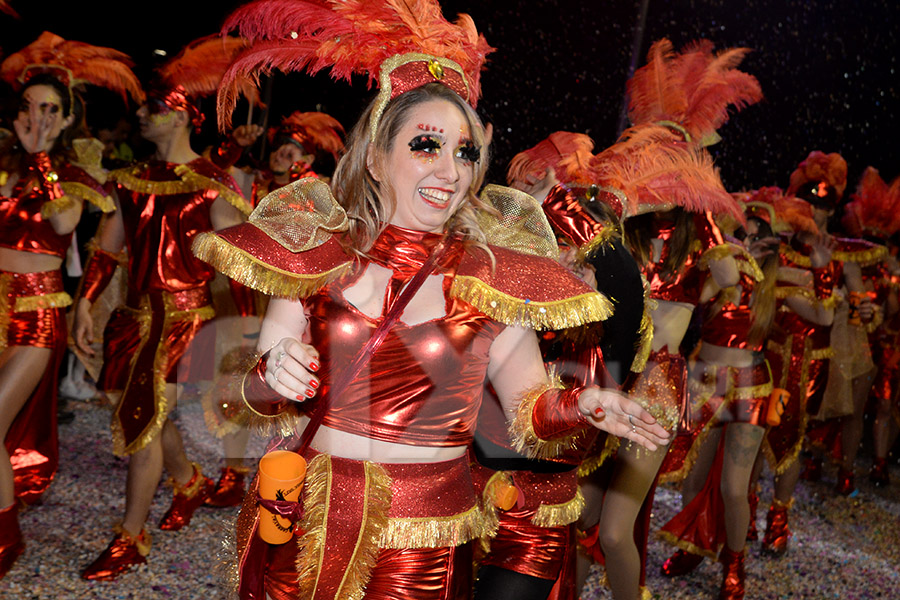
<point>425,143</point>
<point>469,152</point>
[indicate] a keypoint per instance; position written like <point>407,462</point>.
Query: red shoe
<point>11,544</point>
<point>229,490</point>
<point>879,474</point>
<point>186,499</point>
<point>775,541</point>
<point>733,575</point>
<point>846,485</point>
<point>681,563</point>
<point>752,531</point>
<point>812,469</point>
<point>123,553</point>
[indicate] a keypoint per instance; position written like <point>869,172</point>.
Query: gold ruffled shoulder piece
<point>718,253</point>
<point>85,192</point>
<point>89,156</point>
<point>516,222</point>
<point>198,181</point>
<point>527,291</point>
<point>864,254</point>
<point>54,207</point>
<point>288,247</point>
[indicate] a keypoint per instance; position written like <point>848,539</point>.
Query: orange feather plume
<point>318,130</point>
<point>568,154</point>
<point>348,37</point>
<point>875,207</point>
<point>693,89</point>
<point>790,213</point>
<point>77,61</point>
<point>819,167</point>
<point>200,65</point>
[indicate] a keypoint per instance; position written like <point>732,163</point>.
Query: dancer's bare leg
<point>742,441</point>
<point>633,475</point>
<point>696,477</point>
<point>21,369</point>
<point>852,425</point>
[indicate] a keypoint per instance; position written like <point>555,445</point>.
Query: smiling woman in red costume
<point>42,197</point>
<point>393,310</point>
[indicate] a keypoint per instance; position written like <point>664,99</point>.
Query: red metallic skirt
<point>535,537</point>
<point>32,314</point>
<point>147,344</point>
<point>803,371</point>
<point>379,531</point>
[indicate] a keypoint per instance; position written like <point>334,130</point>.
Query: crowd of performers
<point>487,383</point>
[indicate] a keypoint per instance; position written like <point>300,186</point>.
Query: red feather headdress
<point>73,63</point>
<point>196,72</point>
<point>692,91</point>
<point>646,170</point>
<point>313,130</point>
<point>820,179</point>
<point>791,214</point>
<point>401,44</point>
<point>875,207</point>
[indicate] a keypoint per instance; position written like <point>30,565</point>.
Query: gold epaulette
<point>76,188</point>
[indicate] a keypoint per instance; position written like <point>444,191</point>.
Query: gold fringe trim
<point>199,182</point>
<point>557,515</point>
<point>558,314</point>
<point>686,546</point>
<point>831,301</point>
<point>86,192</point>
<point>245,268</point>
<point>311,545</point>
<point>716,253</point>
<point>490,516</point>
<point>607,237</point>
<point>593,463</point>
<point>434,532</point>
<point>521,426</point>
<point>821,353</point>
<point>750,267</point>
<point>377,504</point>
<point>782,292</point>
<point>864,258</point>
<point>190,182</point>
<point>54,207</point>
<point>54,300</point>
<point>645,331</point>
<point>795,257</point>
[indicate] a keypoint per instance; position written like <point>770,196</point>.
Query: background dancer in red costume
<point>874,214</point>
<point>729,389</point>
<point>397,433</point>
<point>162,205</point>
<point>42,197</point>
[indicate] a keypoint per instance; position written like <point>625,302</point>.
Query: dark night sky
<point>828,69</point>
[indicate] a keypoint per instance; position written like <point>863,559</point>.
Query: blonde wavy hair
<point>370,204</point>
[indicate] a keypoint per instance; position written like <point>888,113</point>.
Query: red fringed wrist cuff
<point>556,414</point>
<point>98,272</point>
<point>257,394</point>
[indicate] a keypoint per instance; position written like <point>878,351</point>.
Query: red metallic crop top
<point>686,284</point>
<point>730,325</point>
<point>423,385</point>
<point>22,225</point>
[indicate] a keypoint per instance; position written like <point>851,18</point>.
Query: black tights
<point>495,583</point>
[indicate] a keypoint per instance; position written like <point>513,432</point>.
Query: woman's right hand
<point>290,367</point>
<point>83,327</point>
<point>33,128</point>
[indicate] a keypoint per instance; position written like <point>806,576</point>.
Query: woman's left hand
<point>622,417</point>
